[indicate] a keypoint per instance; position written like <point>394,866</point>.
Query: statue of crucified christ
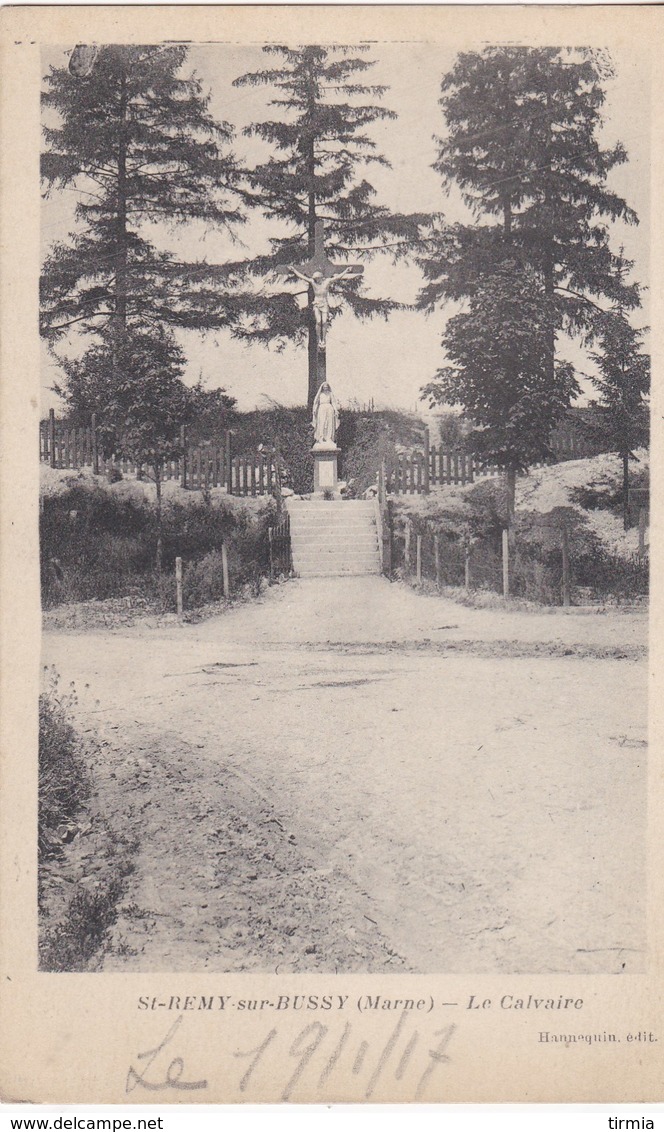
<point>320,274</point>
<point>321,303</point>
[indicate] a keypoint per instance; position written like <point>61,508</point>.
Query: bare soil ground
<point>347,775</point>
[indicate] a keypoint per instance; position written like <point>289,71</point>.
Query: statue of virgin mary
<point>325,415</point>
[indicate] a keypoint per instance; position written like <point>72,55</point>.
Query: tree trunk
<point>507,219</point>
<point>549,268</point>
<point>313,382</point>
<point>510,471</point>
<point>157,481</point>
<point>625,489</point>
<point>511,499</point>
<point>624,455</point>
<point>119,319</point>
<point>121,245</point>
<point>312,385</point>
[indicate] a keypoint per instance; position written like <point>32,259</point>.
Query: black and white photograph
<point>344,514</point>
<point>343,447</point>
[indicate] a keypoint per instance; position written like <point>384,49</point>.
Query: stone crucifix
<point>320,273</point>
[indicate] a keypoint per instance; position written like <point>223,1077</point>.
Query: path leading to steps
<point>350,776</point>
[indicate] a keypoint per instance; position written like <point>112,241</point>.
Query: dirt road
<point>348,775</point>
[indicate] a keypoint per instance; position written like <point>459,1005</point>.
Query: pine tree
<point>317,172</point>
<point>623,385</point>
<point>135,141</point>
<point>135,382</point>
<point>523,147</point>
<point>497,369</point>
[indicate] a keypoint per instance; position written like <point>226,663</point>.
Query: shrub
<point>249,556</point>
<point>190,531</point>
<point>610,575</point>
<point>366,439</point>
<point>64,784</point>
<point>203,581</point>
<point>74,917</point>
<point>286,430</point>
<point>536,554</point>
<point>97,546</point>
<point>71,944</point>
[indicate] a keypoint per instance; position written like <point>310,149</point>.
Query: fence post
<point>228,462</point>
<point>51,437</point>
<point>388,530</point>
<point>436,557</point>
<point>418,558</point>
<point>95,446</point>
<point>382,518</point>
<point>567,598</point>
<point>224,570</point>
<point>269,542</point>
<point>406,547</point>
<point>506,564</point>
<point>289,545</point>
<point>178,585</point>
<point>466,567</point>
<point>183,458</point>
<point>642,532</point>
<point>427,457</point>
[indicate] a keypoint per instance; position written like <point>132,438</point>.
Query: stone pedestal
<point>325,466</point>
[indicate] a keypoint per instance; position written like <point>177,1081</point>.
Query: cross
<point>320,273</point>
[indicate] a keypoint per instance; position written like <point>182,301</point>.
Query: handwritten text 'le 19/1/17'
<point>317,1050</point>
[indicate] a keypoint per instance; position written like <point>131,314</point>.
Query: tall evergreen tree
<point>322,148</point>
<point>497,370</point>
<point>135,141</point>
<point>623,384</point>
<point>523,147</point>
<point>135,379</point>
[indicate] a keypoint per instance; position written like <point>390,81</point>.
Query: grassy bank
<point>99,541</point>
<point>84,861</point>
<point>580,497</point>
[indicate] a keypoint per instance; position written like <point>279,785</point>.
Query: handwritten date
<point>319,1052</point>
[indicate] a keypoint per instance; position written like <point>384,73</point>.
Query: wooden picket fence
<point>66,447</point>
<point>208,465</point>
<point>201,466</point>
<point>281,561</point>
<point>568,443</point>
<point>413,473</point>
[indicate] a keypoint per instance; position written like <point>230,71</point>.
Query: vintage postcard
<point>331,683</point>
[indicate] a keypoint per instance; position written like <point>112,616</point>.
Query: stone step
<point>339,574</point>
<point>357,530</point>
<point>335,519</point>
<point>330,531</point>
<point>332,515</point>
<point>334,525</point>
<point>330,504</point>
<point>332,568</point>
<point>327,538</point>
<point>340,515</point>
<point>344,549</point>
<point>326,534</point>
<point>334,538</point>
<point>327,553</point>
<point>370,563</point>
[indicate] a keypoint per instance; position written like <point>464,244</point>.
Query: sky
<point>385,362</point>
